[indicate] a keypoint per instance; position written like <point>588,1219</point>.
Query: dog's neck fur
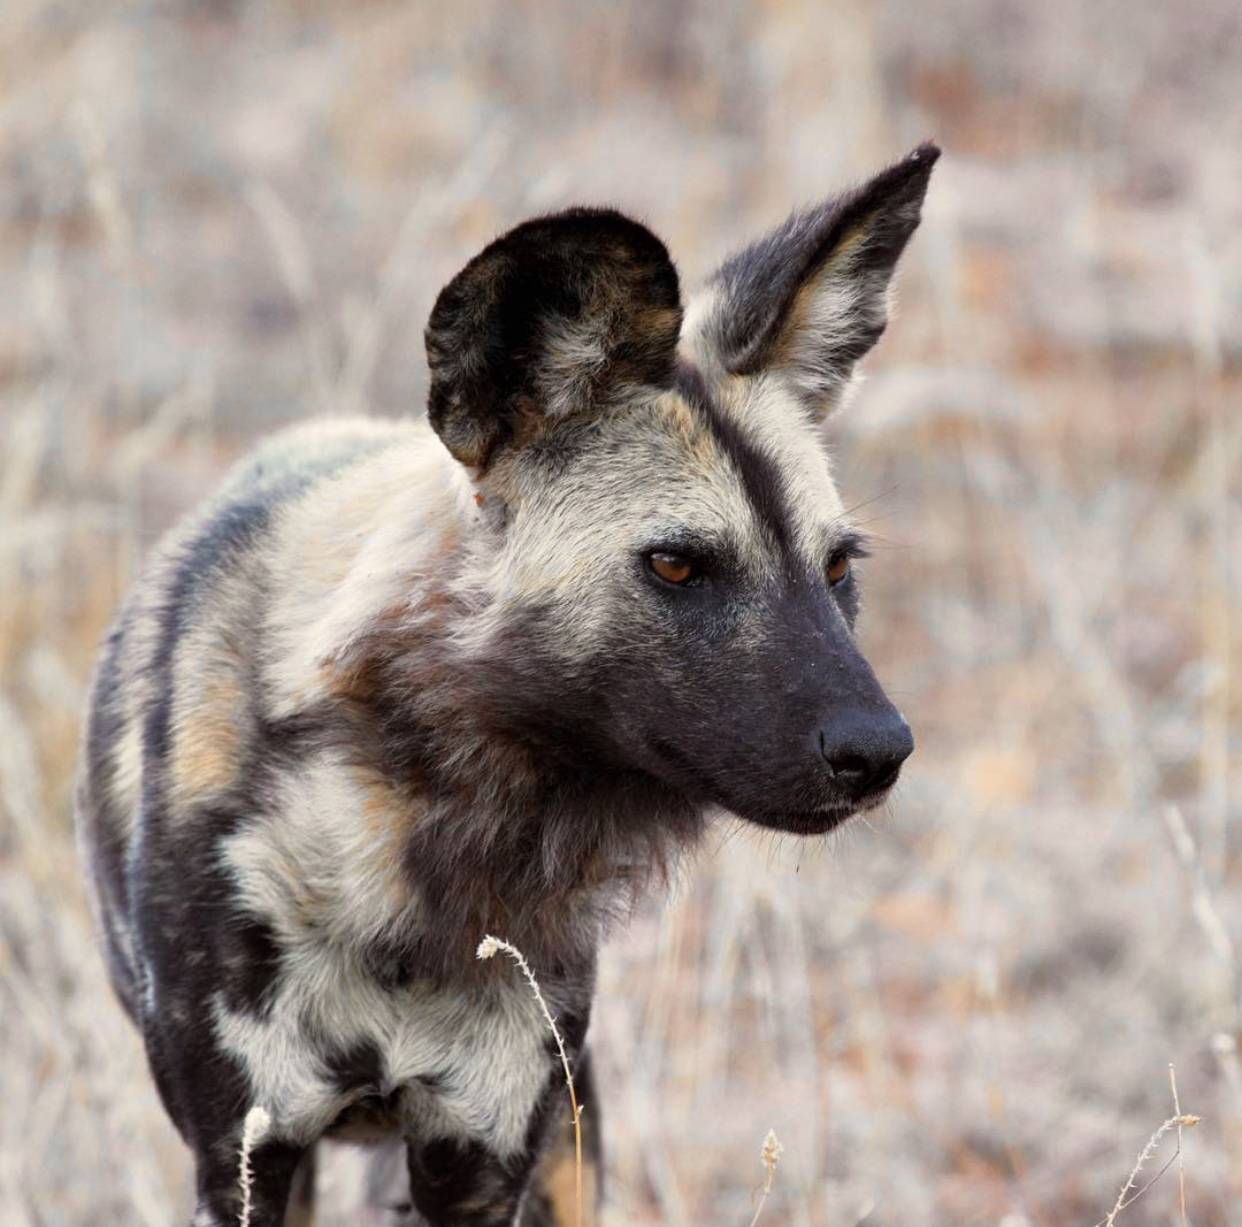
<point>517,828</point>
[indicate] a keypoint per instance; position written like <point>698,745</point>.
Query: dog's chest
<point>336,1046</point>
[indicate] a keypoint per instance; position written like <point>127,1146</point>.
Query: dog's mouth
<point>805,821</point>
<point>822,820</point>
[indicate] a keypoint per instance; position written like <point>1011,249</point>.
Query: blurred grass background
<point>220,217</point>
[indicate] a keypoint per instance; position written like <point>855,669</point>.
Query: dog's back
<point>179,706</point>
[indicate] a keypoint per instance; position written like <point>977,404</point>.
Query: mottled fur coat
<point>398,685</point>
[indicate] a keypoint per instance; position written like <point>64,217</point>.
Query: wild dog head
<point>667,575</point>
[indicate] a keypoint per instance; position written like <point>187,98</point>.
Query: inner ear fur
<point>811,298</point>
<point>560,315</point>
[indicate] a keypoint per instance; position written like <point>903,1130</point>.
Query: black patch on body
<point>229,534</point>
<point>104,729</point>
<point>248,948</point>
<point>360,1066</point>
<point>103,827</point>
<point>175,872</point>
<point>196,946</point>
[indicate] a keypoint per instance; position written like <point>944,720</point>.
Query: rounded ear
<point>561,315</point>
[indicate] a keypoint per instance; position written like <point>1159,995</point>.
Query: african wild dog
<point>402,684</point>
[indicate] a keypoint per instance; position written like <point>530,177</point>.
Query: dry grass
<point>489,947</point>
<point>215,218</point>
<point>1129,1192</point>
<point>770,1157</point>
<point>254,1130</point>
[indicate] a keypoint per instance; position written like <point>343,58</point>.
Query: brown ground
<point>217,217</point>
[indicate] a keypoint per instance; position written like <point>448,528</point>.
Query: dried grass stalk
<point>489,947</point>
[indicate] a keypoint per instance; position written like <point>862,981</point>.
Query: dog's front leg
<point>259,1194</point>
<point>463,1184</point>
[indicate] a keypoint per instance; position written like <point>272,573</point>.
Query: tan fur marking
<point>386,817</point>
<point>558,1179</point>
<point>700,447</point>
<point>207,742</point>
<point>658,321</point>
<point>127,775</point>
<point>809,300</point>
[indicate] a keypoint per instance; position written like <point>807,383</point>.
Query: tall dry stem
<point>254,1130</point>
<point>1129,1194</point>
<point>770,1156</point>
<point>488,948</point>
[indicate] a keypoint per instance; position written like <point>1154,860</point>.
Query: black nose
<point>864,752</point>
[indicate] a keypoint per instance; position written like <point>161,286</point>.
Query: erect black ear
<point>562,314</point>
<point>810,298</point>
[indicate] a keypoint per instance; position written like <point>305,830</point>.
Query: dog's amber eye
<point>672,568</point>
<point>838,569</point>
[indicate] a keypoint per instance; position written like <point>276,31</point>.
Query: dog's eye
<point>673,568</point>
<point>838,569</point>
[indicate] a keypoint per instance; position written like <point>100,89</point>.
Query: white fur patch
<point>484,1051</point>
<point>365,545</point>
<point>325,862</point>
